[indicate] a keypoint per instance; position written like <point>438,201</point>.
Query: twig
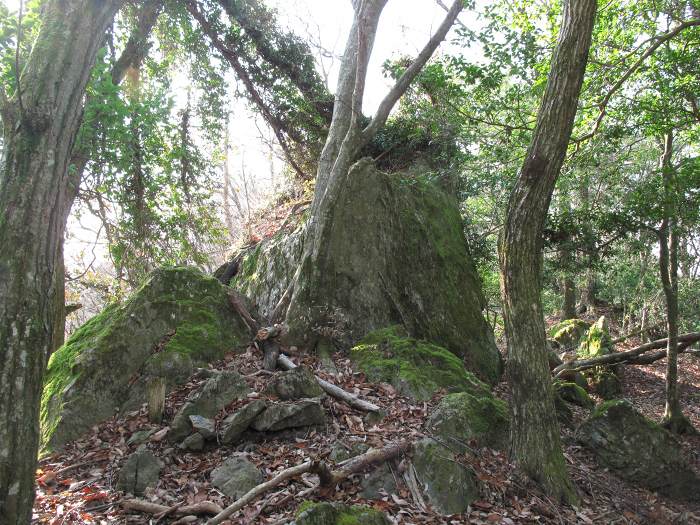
<point>204,507</point>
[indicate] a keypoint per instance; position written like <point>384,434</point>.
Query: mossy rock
<point>603,380</point>
<point>312,513</point>
<point>397,254</point>
<point>568,333</point>
<point>415,368</point>
<point>448,485</point>
<point>573,393</point>
<point>178,319</point>
<point>597,341</point>
<point>638,450</point>
<point>462,417</point>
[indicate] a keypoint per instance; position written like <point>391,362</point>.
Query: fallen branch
<point>328,478</point>
<point>351,399</point>
<point>205,507</point>
<point>650,357</point>
<point>684,341</point>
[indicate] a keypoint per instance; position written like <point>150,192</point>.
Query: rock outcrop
<point>417,369</point>
<point>638,450</point>
<point>396,255</point>
<point>597,342</point>
<point>178,319</point>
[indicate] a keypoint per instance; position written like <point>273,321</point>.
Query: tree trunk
<point>535,441</point>
<point>673,419</point>
<point>40,130</point>
<point>344,141</point>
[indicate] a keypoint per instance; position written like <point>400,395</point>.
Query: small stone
<point>235,424</point>
<point>140,437</point>
<point>448,486</point>
<point>204,426</point>
<point>216,393</point>
<point>378,483</point>
<point>280,416</point>
<point>298,383</point>
<point>236,476</point>
<point>140,471</point>
<point>194,442</point>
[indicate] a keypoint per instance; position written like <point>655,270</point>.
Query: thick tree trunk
<point>40,129</point>
<point>673,419</point>
<point>535,441</point>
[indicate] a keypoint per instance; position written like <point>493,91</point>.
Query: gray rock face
<point>382,222</point>
<point>462,417</point>
<point>235,424</point>
<point>194,442</point>
<point>638,450</point>
<point>204,426</point>
<point>297,383</point>
<point>216,393</point>
<point>141,470</point>
<point>378,483</point>
<point>280,416</point>
<point>179,311</point>
<point>339,514</point>
<point>448,486</point>
<point>236,476</point>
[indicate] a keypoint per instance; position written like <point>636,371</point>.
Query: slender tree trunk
<point>588,292</point>
<point>673,419</point>
<point>343,144</point>
<point>40,130</point>
<point>535,441</point>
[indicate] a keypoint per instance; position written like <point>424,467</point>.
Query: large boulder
<point>638,450</point>
<point>178,319</point>
<point>290,414</point>
<point>395,254</point>
<point>233,427</point>
<point>296,383</point>
<point>415,368</point>
<point>461,418</point>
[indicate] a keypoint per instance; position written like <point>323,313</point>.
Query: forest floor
<point>78,484</point>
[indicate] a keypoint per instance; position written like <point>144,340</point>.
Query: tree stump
<point>156,399</point>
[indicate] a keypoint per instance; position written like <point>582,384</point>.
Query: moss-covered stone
<point>568,333</point>
<point>447,484</point>
<point>596,343</point>
<point>462,417</point>
<point>312,513</point>
<point>573,393</point>
<point>177,319</point>
<point>415,368</point>
<point>395,254</point>
<point>638,450</point>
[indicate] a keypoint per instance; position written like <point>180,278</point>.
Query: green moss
<point>177,318</point>
<point>462,417</point>
<point>568,333</point>
<point>313,513</point>
<point>597,341</point>
<point>415,368</point>
<point>573,393</point>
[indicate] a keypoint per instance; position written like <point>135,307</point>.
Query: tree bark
<point>535,441</point>
<point>39,134</point>
<point>673,418</point>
